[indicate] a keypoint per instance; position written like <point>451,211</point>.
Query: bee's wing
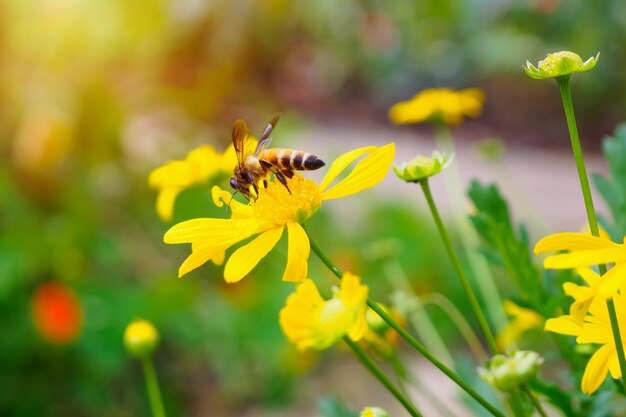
<point>265,139</point>
<point>241,135</point>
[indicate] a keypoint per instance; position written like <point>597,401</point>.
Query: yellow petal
<point>352,292</point>
<point>342,163</point>
<point>299,319</point>
<point>221,197</point>
<point>214,231</point>
<point>563,325</point>
<point>573,242</point>
<point>590,276</point>
<point>244,259</point>
<point>199,257</point>
<point>614,369</point>
<point>219,259</point>
<point>409,112</point>
<point>367,173</point>
<point>579,309</point>
<point>613,280</point>
<point>585,258</point>
<point>165,203</point>
<point>359,328</point>
<point>297,253</point>
<point>597,368</point>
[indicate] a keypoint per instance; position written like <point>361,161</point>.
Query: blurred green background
<point>95,94</point>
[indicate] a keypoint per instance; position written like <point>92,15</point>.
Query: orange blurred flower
<point>57,313</point>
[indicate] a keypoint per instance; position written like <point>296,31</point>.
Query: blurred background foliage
<point>95,94</point>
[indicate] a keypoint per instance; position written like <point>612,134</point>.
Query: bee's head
<point>240,186</point>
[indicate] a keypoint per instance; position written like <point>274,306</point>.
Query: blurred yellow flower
<point>200,165</point>
<point>141,338</point>
<point>312,323</point>
<point>374,412</point>
<point>522,320</point>
<point>596,329</point>
<point>586,250</point>
<point>276,209</point>
<point>438,104</point>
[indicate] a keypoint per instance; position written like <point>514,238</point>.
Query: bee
<point>254,167</point>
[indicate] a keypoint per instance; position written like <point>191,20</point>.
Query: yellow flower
<point>596,328</point>
<point>141,338</point>
<point>374,412</point>
<point>586,250</point>
<point>276,209</point>
<point>200,165</point>
<point>442,104</point>
<point>312,323</point>
<point>522,320</point>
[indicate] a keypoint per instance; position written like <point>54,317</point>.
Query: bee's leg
<point>251,180</point>
<point>265,183</point>
<point>288,173</point>
<point>281,177</point>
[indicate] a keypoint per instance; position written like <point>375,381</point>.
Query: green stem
<point>566,96</point>
<point>534,400</point>
<point>152,385</point>
<point>382,378</point>
<point>482,321</point>
<point>460,322</point>
<point>418,316</point>
<point>515,402</point>
<point>406,336</point>
<point>468,236</point>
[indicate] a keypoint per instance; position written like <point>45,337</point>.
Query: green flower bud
<point>506,373</point>
<point>374,412</point>
<point>422,167</point>
<point>559,64</point>
<point>374,321</point>
<point>141,338</point>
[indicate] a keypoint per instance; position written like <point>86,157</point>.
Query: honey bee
<point>254,167</point>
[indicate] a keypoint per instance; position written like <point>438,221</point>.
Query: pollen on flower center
<point>552,60</point>
<point>277,205</point>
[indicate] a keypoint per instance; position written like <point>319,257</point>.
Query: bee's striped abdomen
<point>290,159</point>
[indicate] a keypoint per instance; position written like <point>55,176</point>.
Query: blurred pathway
<point>537,182</point>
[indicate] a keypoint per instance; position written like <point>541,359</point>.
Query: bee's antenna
<point>231,200</point>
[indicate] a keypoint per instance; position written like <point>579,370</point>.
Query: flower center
<point>336,318</point>
<point>277,205</point>
<point>553,61</point>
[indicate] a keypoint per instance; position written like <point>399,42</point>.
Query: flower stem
<point>152,385</point>
<point>468,236</point>
<point>382,378</point>
<point>566,96</point>
<point>482,321</point>
<point>406,336</point>
<point>534,400</point>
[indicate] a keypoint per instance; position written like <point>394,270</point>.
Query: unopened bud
<point>506,373</point>
<point>141,338</point>
<point>422,167</point>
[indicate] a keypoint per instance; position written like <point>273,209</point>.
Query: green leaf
<point>503,246</point>
<point>613,188</point>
